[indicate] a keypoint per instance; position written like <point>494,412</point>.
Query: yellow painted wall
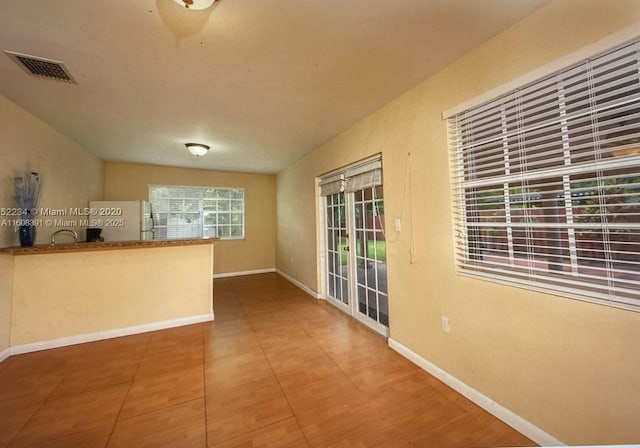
<point>569,367</point>
<point>72,176</point>
<point>130,181</point>
<point>68,294</point>
<point>6,293</point>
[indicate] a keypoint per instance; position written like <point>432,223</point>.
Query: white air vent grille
<point>41,67</point>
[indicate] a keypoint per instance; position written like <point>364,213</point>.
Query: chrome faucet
<point>57,232</point>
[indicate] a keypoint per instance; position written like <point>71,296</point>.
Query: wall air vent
<point>41,67</point>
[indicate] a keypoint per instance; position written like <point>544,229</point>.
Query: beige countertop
<point>82,246</point>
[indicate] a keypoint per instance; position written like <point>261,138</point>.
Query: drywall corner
<point>6,297</point>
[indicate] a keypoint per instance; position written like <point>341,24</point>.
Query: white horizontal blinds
<point>364,175</point>
<point>177,211</point>
<point>195,212</point>
<point>546,182</point>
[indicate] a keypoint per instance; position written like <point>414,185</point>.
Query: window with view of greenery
<point>196,212</point>
<point>547,182</point>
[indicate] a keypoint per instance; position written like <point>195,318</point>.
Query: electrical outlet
<point>444,321</point>
<point>397,224</point>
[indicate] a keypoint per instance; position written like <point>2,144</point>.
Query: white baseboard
<point>237,274</point>
<point>510,418</point>
<point>4,354</point>
<point>300,285</point>
<point>90,337</point>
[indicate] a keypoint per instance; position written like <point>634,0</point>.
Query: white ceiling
<point>262,82</point>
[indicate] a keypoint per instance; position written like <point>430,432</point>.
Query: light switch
<point>444,320</point>
<point>397,224</point>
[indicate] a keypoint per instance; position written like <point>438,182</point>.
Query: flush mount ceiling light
<point>195,4</point>
<point>197,149</point>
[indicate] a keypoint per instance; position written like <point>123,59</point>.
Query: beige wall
<point>129,181</point>
<point>62,295</point>
<point>6,293</point>
<point>71,175</point>
<point>570,367</point>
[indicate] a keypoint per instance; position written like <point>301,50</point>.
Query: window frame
<point>569,284</point>
<point>204,213</point>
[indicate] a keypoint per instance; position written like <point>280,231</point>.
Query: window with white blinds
<point>546,182</point>
<point>196,212</point>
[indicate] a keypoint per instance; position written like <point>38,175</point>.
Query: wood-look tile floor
<point>275,369</point>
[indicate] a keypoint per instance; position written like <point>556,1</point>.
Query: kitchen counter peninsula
<point>107,245</point>
<point>72,293</point>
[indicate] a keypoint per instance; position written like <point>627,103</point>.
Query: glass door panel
<point>370,256</point>
<point>337,244</point>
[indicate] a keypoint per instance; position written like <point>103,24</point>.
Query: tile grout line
<point>115,422</point>
<point>37,410</point>
<point>151,411</point>
<point>272,371</point>
<point>63,397</point>
<point>351,381</point>
<point>204,383</point>
<point>375,405</point>
<point>62,436</point>
<point>354,385</point>
<point>48,398</point>
<point>225,441</point>
<point>235,296</point>
<point>25,424</point>
<point>334,361</point>
<point>87,391</point>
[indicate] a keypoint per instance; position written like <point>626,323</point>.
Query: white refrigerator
<point>123,220</point>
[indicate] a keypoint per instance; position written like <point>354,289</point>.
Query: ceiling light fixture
<point>197,149</point>
<point>195,4</point>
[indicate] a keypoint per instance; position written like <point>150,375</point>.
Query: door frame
<point>352,307</point>
<point>352,267</point>
<point>324,272</point>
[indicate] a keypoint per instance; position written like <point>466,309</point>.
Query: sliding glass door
<point>336,244</point>
<point>354,253</point>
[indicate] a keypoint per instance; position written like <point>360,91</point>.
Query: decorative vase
<point>27,235</point>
